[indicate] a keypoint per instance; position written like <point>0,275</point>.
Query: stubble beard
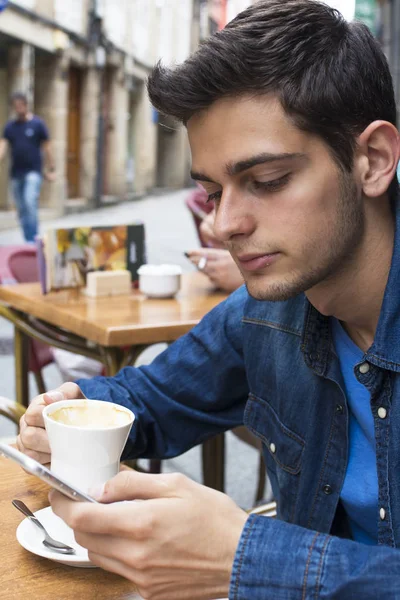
<point>343,241</point>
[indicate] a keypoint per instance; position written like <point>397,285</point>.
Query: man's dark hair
<point>19,96</point>
<point>330,76</point>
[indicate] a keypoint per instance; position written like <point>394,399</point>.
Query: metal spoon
<point>48,541</point>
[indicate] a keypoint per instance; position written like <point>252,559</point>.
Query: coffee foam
<point>91,416</point>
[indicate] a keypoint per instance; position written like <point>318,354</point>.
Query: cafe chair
<point>22,264</point>
<point>246,436</point>
<point>265,510</point>
<point>11,410</point>
<point>6,277</point>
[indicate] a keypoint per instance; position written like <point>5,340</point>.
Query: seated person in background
<point>299,153</point>
<point>215,260</point>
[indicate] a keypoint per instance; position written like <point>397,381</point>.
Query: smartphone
<point>35,468</point>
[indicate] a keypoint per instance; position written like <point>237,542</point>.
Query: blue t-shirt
<point>359,494</point>
<point>26,138</point>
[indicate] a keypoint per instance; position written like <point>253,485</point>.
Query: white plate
<point>30,538</point>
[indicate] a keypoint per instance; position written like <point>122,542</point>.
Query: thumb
<point>67,391</point>
<point>132,485</point>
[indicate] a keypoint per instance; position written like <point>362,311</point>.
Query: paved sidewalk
<point>170,232</point>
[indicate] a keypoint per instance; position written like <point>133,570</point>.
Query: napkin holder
<point>108,283</point>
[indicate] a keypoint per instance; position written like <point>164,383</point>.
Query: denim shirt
<point>273,367</point>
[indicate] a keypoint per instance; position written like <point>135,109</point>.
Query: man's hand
<point>179,543</point>
<point>220,267</point>
<point>50,176</point>
<point>32,439</point>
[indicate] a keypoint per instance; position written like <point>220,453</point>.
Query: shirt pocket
<point>283,451</point>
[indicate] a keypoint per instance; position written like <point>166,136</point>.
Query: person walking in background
<point>28,137</point>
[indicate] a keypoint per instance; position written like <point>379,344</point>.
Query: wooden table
<point>112,330</point>
<point>25,575</point>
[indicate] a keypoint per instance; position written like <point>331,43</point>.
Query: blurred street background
<point>83,64</point>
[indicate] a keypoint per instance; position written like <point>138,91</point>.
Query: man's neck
<point>27,117</point>
<point>354,296</point>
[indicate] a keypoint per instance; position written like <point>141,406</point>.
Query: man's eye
<point>213,197</point>
<point>272,186</point>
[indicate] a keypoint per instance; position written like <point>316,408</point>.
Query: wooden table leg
<point>21,367</point>
<point>213,454</point>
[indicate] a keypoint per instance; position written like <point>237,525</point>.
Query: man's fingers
<point>208,253</point>
<point>34,415</point>
<point>32,439</point>
<point>35,439</point>
<point>132,485</point>
<point>66,391</point>
<point>40,457</point>
<point>116,515</point>
<point>120,519</point>
<point>43,458</point>
<point>22,423</point>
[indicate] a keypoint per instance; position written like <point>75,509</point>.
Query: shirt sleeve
<point>43,131</point>
<point>275,559</point>
<point>188,393</point>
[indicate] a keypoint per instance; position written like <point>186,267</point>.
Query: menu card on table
<point>66,256</point>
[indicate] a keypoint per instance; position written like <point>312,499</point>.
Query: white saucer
<point>30,538</point>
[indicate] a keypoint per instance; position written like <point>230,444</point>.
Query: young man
<point>290,113</point>
<point>28,137</point>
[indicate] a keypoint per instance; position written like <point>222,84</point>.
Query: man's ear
<point>377,157</point>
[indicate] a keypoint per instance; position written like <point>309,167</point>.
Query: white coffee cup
<point>160,281</point>
<point>86,439</point>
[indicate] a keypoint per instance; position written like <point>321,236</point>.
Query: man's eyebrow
<point>260,159</point>
<point>200,177</point>
<point>244,165</point>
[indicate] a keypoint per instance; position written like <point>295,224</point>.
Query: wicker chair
<point>11,410</point>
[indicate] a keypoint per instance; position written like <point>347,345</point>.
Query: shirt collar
<point>385,350</point>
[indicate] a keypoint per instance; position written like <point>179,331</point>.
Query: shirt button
<point>339,409</point>
<point>382,514</point>
<point>272,447</point>
<point>327,489</point>
<point>364,368</point>
<point>382,412</point>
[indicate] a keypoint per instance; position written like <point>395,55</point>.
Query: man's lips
<point>254,262</point>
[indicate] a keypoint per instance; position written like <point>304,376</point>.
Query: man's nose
<point>232,218</point>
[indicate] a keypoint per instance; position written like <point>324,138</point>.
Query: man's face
<point>20,108</point>
<point>285,212</point>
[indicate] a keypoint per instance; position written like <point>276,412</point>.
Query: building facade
<point>84,64</point>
